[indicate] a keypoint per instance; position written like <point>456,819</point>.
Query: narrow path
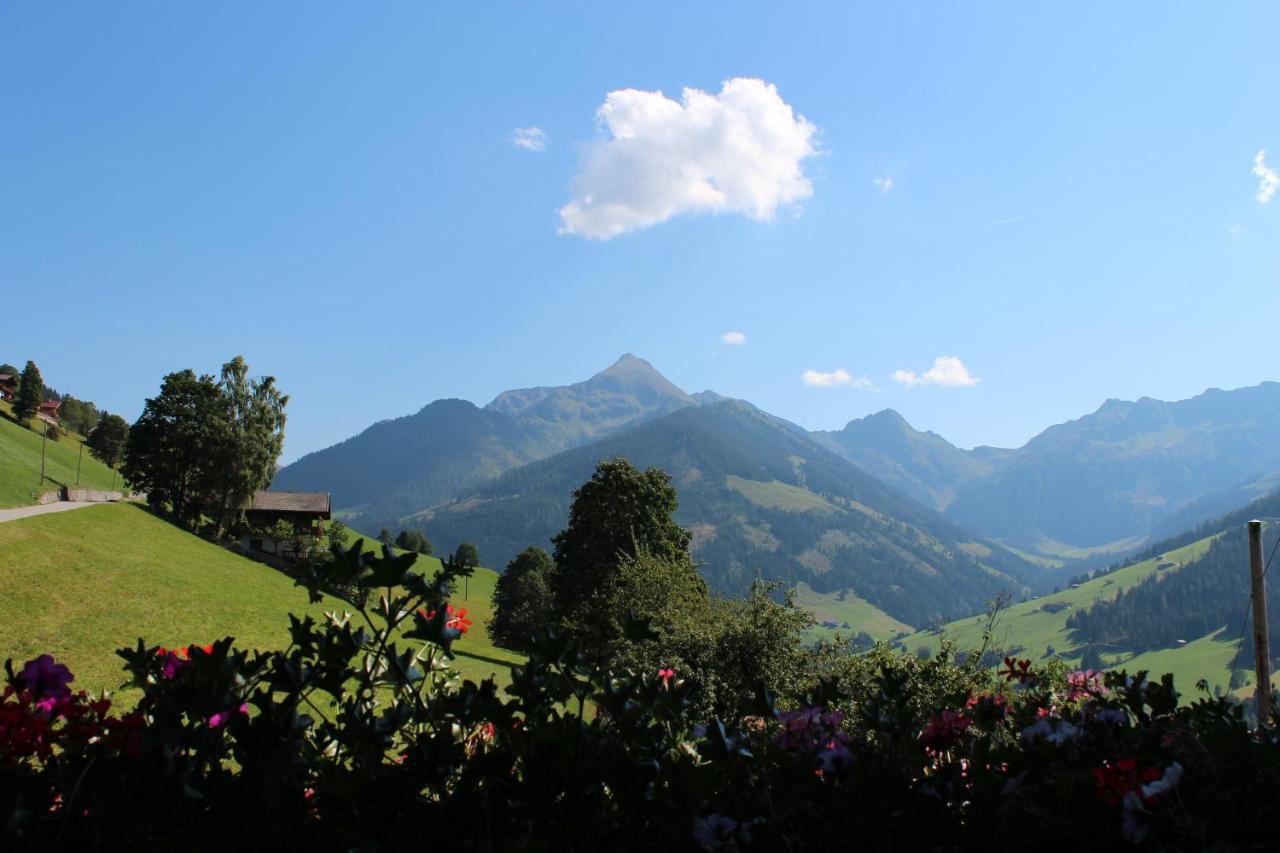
<point>28,511</point>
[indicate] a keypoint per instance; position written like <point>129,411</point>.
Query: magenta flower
<point>46,678</point>
<point>221,718</point>
<point>666,674</point>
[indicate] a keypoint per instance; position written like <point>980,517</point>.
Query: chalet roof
<point>7,379</point>
<point>271,501</point>
<point>50,405</point>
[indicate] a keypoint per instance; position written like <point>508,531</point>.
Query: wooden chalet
<point>304,512</point>
<point>48,411</point>
<point>8,387</point>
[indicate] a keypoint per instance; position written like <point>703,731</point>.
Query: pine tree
<point>30,393</point>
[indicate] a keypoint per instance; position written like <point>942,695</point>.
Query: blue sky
<point>332,190</point>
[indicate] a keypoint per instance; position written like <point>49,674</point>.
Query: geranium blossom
<point>46,678</point>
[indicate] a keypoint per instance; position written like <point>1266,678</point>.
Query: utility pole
<point>1261,637</point>
<point>44,439</point>
<point>79,459</point>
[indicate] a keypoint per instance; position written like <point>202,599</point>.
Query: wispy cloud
<point>1268,178</point>
<point>740,152</point>
<point>884,183</point>
<point>734,339</point>
<point>1009,221</point>
<point>530,138</point>
<point>839,376</point>
<point>947,370</point>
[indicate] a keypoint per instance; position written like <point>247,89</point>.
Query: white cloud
<point>1269,179</point>
<point>736,152</point>
<point>884,183</point>
<point>839,376</point>
<point>532,138</point>
<point>946,370</point>
<point>734,339</point>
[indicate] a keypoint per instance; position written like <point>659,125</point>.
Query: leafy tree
<point>79,415</point>
<point>522,599</point>
<point>384,536</point>
<point>337,533</point>
<point>253,436</point>
<point>171,445</point>
<point>466,556</point>
<point>107,442</point>
<point>414,540</point>
<point>30,393</point>
<point>618,514</point>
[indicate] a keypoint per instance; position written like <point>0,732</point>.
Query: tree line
<point>105,433</point>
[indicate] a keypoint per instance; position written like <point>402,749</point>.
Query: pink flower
<point>666,675</point>
<point>221,718</point>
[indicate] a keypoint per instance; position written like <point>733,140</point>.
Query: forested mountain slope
<point>759,496</point>
<point>399,466</point>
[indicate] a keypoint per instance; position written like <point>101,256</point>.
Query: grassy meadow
<point>857,613</point>
<point>1037,629</point>
<point>81,584</point>
<point>20,471</point>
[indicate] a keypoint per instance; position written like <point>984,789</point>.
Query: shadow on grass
<point>485,658</point>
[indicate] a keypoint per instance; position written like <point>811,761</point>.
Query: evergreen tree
<point>384,536</point>
<point>107,442</point>
<point>522,599</point>
<point>30,393</point>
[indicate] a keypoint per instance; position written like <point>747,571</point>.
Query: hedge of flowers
<point>359,737</point>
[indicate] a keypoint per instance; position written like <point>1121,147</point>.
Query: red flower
<point>457,620</point>
<point>666,675</point>
<point>1017,670</point>
<point>1113,781</point>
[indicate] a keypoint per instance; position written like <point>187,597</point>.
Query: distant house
<point>48,411</point>
<point>304,512</point>
<point>8,386</point>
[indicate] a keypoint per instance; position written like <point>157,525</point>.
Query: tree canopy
<point>414,540</point>
<point>206,446</point>
<point>522,599</point>
<point>107,441</point>
<point>620,513</point>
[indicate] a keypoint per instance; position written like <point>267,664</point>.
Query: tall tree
<point>253,420</point>
<point>107,441</point>
<point>173,443</point>
<point>466,555</point>
<point>522,599</point>
<point>620,513</point>
<point>30,393</point>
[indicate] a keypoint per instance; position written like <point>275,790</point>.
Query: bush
<point>359,736</point>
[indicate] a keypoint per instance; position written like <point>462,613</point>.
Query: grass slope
<point>1030,629</point>
<point>858,614</point>
<point>776,495</point>
<point>80,584</point>
<point>20,464</point>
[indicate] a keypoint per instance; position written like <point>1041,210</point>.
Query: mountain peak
<point>629,365</point>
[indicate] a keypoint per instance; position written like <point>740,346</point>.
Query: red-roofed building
<point>8,386</point>
<point>48,411</point>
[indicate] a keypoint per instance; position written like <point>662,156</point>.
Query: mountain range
<point>761,493</point>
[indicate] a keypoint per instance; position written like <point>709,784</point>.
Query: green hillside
<point>849,614</point>
<point>1038,628</point>
<point>80,584</point>
<point>20,469</point>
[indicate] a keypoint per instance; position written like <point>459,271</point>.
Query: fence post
<point>1261,635</point>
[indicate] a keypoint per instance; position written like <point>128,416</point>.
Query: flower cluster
<point>945,730</point>
<point>815,732</point>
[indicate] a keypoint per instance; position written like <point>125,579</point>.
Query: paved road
<point>28,511</point>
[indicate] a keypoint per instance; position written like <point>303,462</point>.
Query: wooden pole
<point>1261,637</point>
<point>79,459</point>
<point>43,441</point>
